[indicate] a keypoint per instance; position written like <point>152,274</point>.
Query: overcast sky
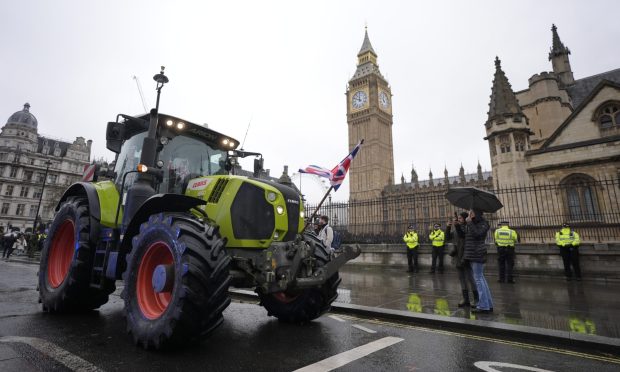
<point>285,65</point>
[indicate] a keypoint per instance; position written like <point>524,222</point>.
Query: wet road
<point>588,307</point>
<point>249,340</point>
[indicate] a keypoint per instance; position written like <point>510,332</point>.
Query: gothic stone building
<point>33,168</point>
<point>560,130</point>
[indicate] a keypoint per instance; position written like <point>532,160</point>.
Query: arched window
<point>504,143</point>
<point>608,115</point>
<point>580,197</point>
<point>519,142</point>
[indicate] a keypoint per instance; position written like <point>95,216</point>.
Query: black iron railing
<point>536,211</point>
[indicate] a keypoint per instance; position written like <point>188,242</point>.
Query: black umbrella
<point>473,198</point>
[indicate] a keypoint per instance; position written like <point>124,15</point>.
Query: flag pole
<point>318,207</point>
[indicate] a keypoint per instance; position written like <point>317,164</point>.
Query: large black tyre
<point>196,281</point>
<point>304,305</point>
<point>67,261</point>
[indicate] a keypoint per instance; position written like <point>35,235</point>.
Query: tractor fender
<point>87,189</point>
<point>156,204</point>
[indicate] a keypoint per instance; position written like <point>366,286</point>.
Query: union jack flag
<point>315,169</point>
<point>336,176</point>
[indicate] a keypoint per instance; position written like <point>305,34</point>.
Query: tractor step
<point>105,245</point>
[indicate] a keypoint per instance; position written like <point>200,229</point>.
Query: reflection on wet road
<point>582,307</point>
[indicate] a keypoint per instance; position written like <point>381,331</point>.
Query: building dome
<point>23,117</point>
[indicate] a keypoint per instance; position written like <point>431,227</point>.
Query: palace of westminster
<point>559,130</point>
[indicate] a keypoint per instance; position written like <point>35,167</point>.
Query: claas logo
<point>200,184</point>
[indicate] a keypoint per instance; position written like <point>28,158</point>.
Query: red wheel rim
<point>284,297</point>
<point>61,253</point>
<point>153,304</point>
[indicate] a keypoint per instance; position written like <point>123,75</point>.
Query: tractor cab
<point>185,151</point>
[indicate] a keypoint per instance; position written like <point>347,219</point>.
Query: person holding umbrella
<point>477,201</point>
<point>475,253</point>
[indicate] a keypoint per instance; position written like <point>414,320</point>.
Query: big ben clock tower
<point>369,117</point>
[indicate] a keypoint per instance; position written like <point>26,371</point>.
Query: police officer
<point>411,239</point>
<point>437,238</point>
<point>568,241</point>
<point>505,240</point>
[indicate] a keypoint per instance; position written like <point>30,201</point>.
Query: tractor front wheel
<point>67,260</point>
<point>176,282</point>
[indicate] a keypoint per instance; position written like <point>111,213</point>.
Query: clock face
<point>359,99</point>
<point>384,100</point>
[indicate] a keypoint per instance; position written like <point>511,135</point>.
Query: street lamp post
<point>36,216</point>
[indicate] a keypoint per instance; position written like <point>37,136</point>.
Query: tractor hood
<point>251,212</point>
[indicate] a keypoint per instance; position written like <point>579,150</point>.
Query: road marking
<point>334,317</point>
<point>490,367</point>
<point>55,352</point>
<point>364,328</point>
<point>347,357</point>
<point>488,339</point>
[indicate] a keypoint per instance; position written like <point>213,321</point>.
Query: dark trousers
<point>8,249</point>
<point>412,255</point>
<point>466,277</point>
<point>437,256</point>
<point>506,261</point>
<point>570,256</point>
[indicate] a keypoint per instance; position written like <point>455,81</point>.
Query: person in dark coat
<point>9,241</point>
<point>456,232</point>
<point>475,253</point>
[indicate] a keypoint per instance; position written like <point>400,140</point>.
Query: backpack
<point>337,241</point>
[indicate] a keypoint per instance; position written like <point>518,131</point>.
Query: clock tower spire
<point>369,117</point>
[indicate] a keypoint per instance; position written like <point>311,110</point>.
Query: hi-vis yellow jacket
<point>437,237</point>
<point>505,237</point>
<point>567,238</point>
<point>411,238</point>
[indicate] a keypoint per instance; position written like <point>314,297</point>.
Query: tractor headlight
<point>180,125</point>
<point>225,141</point>
<point>276,235</point>
<point>169,123</point>
<point>271,196</point>
<point>280,209</point>
<point>302,214</point>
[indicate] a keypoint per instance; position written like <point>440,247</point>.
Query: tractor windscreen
<point>186,158</point>
<point>128,159</point>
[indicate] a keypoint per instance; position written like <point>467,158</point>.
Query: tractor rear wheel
<point>176,282</point>
<point>67,260</point>
<point>308,304</point>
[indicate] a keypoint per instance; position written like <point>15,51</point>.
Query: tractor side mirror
<point>258,166</point>
<point>114,135</point>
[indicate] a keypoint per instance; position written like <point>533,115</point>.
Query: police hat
<point>436,225</point>
<point>410,227</point>
<point>565,224</point>
<point>504,222</point>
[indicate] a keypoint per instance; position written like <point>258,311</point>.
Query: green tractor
<point>179,230</point>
